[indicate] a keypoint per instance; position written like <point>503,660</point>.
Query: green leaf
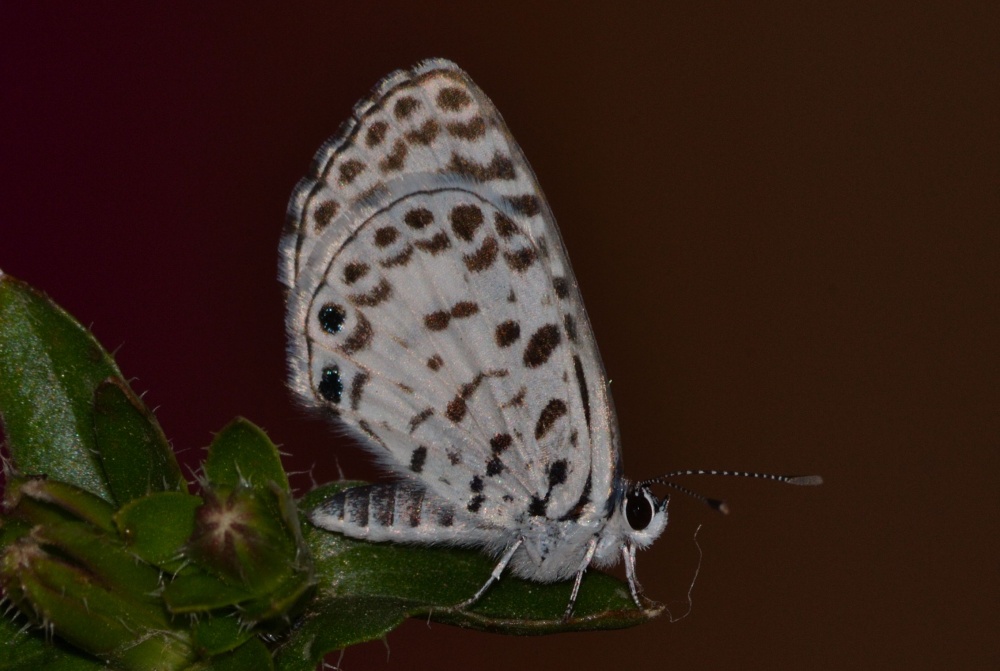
<point>251,656</point>
<point>242,454</point>
<point>199,592</point>
<point>136,456</point>
<point>103,559</point>
<point>39,500</point>
<point>367,589</point>
<point>334,624</point>
<point>132,630</point>
<point>157,527</point>
<point>24,649</point>
<point>218,634</point>
<point>50,367</point>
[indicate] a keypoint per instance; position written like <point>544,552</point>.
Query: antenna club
<point>721,506</point>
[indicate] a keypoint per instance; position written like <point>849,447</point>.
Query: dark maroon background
<point>785,224</point>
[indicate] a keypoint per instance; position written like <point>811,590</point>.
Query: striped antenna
<point>718,504</point>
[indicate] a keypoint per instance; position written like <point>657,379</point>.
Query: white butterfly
<point>432,307</point>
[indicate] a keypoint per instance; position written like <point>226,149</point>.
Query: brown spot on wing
<point>473,129</point>
<point>437,321</point>
<point>420,418</point>
<point>561,286</point>
<point>324,213</point>
<point>494,466</point>
<point>405,107</point>
<point>396,159</point>
<point>425,134</point>
<point>500,167</point>
<point>354,272</point>
<point>541,345</point>
<point>483,257</point>
<point>435,245</point>
<point>517,400</point>
<point>400,259</point>
<point>376,295</point>
<point>374,191</point>
<point>376,134</point>
<point>576,511</point>
<point>360,337</point>
<point>418,217</point>
<point>520,259</point>
<point>500,442</point>
<point>475,503</point>
<point>555,409</point>
<point>570,325</point>
<point>456,409</point>
<point>529,205</point>
<point>505,226</point>
<point>385,236</point>
<point>357,388</point>
<point>581,382</point>
<point>465,219</point>
<point>507,333</point>
<point>349,170</point>
<point>453,99</point>
<point>464,309</point>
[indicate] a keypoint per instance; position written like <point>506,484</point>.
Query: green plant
<point>111,560</point>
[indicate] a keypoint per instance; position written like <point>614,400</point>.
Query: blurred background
<point>785,222</point>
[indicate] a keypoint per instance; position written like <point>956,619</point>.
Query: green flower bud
<point>82,585</point>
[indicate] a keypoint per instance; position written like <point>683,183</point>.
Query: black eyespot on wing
<point>330,385</point>
<point>331,318</point>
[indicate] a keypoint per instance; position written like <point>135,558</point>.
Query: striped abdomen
<point>399,511</point>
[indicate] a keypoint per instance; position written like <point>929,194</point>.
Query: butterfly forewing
<point>432,306</point>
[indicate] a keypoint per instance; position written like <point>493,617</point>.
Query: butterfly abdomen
<point>397,511</point>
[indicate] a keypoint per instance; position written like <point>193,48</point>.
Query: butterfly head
<point>644,515</point>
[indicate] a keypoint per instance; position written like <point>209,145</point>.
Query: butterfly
<point>431,307</point>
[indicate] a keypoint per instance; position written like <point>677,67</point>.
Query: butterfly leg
<point>628,554</point>
<point>497,571</point>
<point>587,558</point>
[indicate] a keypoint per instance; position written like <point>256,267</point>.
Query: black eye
<point>638,509</point>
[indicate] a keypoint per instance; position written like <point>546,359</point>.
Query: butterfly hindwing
<point>432,306</point>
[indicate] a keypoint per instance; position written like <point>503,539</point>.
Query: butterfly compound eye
<point>638,509</point>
